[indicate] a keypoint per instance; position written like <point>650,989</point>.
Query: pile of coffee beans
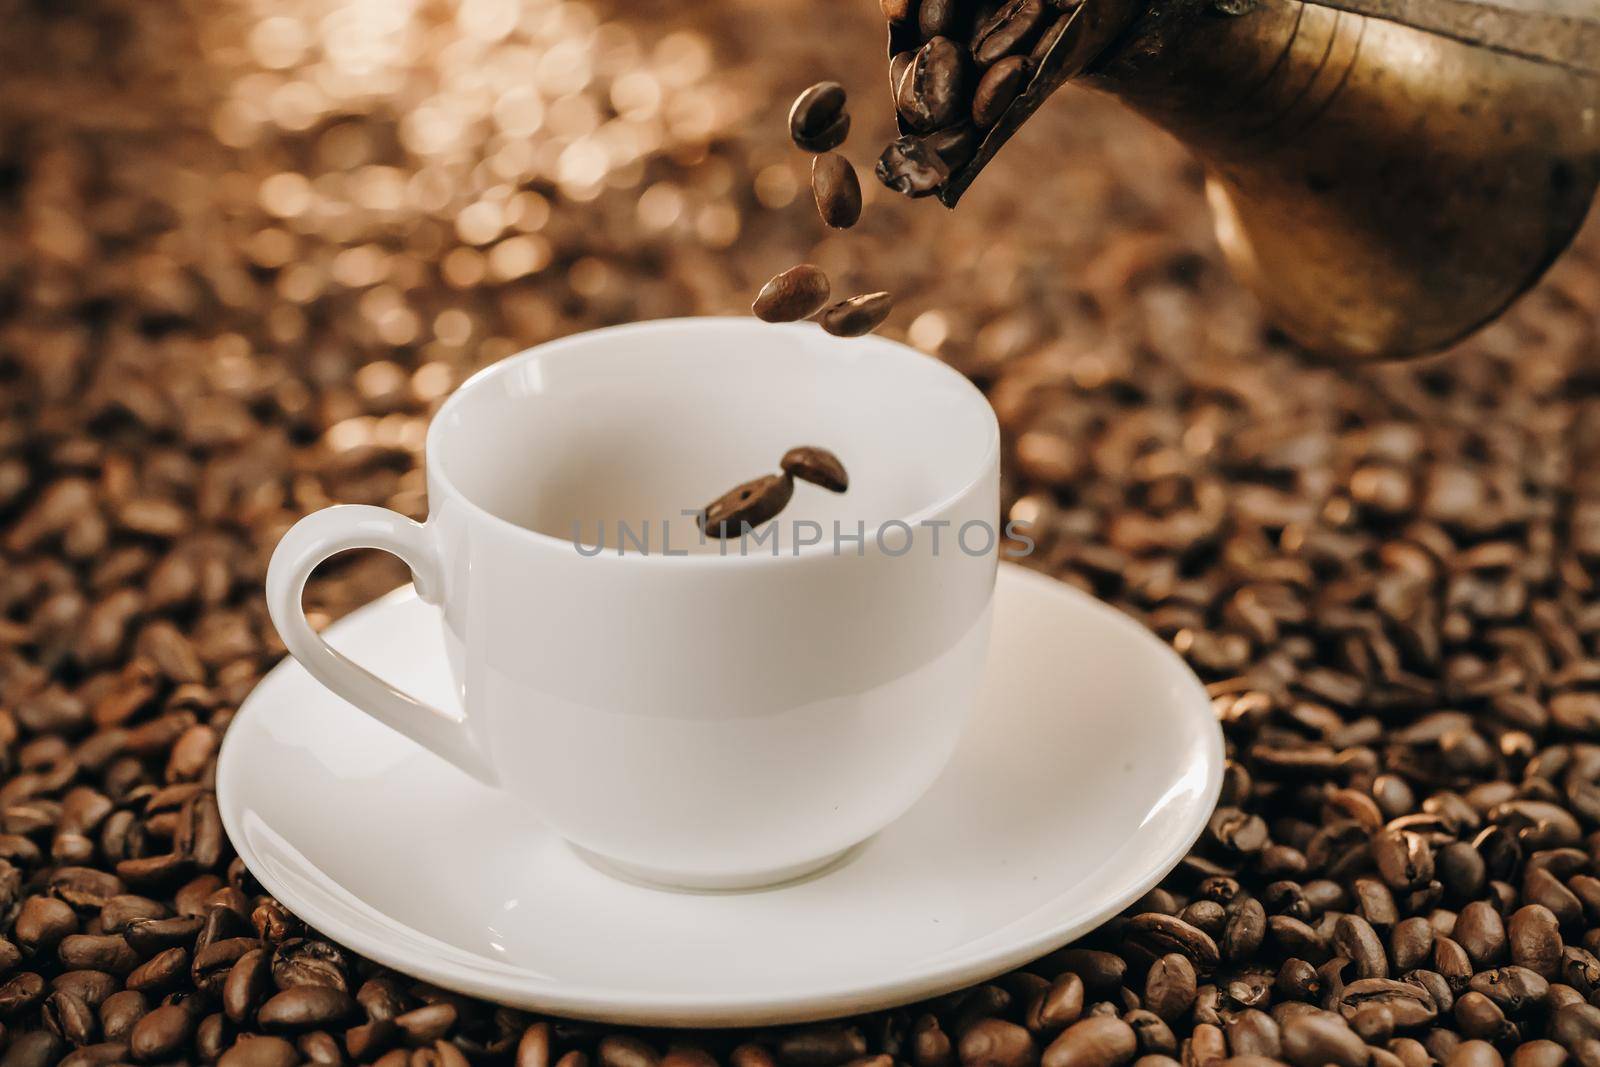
<point>746,506</point>
<point>971,61</point>
<point>240,264</point>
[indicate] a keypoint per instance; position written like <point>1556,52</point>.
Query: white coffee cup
<point>698,713</point>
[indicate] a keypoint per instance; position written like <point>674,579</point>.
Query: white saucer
<point>1089,770</point>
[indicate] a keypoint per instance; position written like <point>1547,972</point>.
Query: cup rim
<point>437,475</point>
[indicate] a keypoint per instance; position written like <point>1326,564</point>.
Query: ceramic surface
<point>692,718</point>
<point>1089,769</point>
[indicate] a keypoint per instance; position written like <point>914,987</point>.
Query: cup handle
<point>312,540</point>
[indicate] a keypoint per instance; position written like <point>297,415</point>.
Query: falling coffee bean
<point>856,316</point>
<point>747,505</point>
<point>911,167</point>
<point>817,466</point>
<point>797,293</point>
<point>837,190</point>
<point>818,121</point>
<point>933,92</point>
<point>998,87</point>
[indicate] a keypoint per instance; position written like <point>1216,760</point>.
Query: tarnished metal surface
<point>1387,175</point>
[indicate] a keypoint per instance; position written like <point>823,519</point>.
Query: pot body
<point>1386,181</point>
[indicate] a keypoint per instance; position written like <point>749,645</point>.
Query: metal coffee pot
<point>1387,175</point>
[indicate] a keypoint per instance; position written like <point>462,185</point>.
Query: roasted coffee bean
<point>272,922</point>
<point>433,1021</point>
<point>1404,859</point>
<point>1411,943</point>
<point>249,982</point>
<point>161,972</point>
<point>100,952</point>
<point>69,1018</point>
<point>222,922</point>
<point>954,145</point>
<point>1254,1033</point>
<point>303,961</point>
<point>821,1046</point>
<point>92,987</point>
<point>913,167</point>
<point>797,293</point>
<point>836,189</point>
<point>1513,988</point>
<point>1099,1041</point>
<point>1159,934</point>
<point>212,964</point>
<point>930,1046</point>
<point>1058,1006</point>
<point>1539,1053</point>
<point>150,936</point>
<point>818,121</point>
<point>120,1011</point>
<point>933,92</point>
<point>42,923</point>
<point>320,1047</point>
<point>999,86</point>
<point>1373,1023</point>
<point>1479,1017</point>
<point>371,1039</point>
<point>936,17</point>
<point>1482,933</point>
<point>303,1007</point>
<point>101,1055</point>
<point>533,1049</point>
<point>1152,1033</point>
<point>1542,888</point>
<point>1409,1004</point>
<point>817,466</point>
<point>1452,962</point>
<point>857,315</point>
<point>1169,988</point>
<point>1010,30</point>
<point>997,1043</point>
<point>747,506</point>
<point>621,1051</point>
<point>381,999</point>
<point>260,1052</point>
<point>32,1048</point>
<point>1534,938</point>
<point>1317,1040</point>
<point>20,993</point>
<point>896,10</point>
<point>1245,929</point>
<point>122,911</point>
<point>161,1033</point>
<point>1475,1054</point>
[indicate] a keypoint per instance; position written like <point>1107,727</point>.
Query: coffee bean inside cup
<point>759,500</point>
<point>817,466</point>
<point>747,506</point>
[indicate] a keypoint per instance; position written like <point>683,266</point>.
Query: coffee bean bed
<point>245,250</point>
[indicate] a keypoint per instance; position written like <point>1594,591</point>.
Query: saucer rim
<point>522,988</point>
